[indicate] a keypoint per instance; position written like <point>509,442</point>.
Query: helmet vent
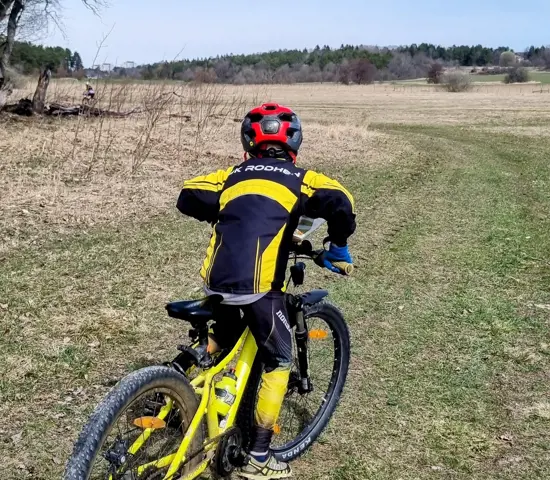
<point>286,117</point>
<point>255,117</point>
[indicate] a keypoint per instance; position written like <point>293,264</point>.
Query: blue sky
<point>210,27</point>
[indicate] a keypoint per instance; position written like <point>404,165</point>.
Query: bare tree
<point>10,10</point>
<point>39,98</point>
<point>401,66</point>
<point>33,14</point>
<point>542,59</point>
<point>435,73</point>
<point>362,71</point>
<point>344,73</point>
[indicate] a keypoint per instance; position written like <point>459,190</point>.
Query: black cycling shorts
<point>268,321</point>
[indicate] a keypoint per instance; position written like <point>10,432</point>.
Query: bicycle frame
<point>202,385</point>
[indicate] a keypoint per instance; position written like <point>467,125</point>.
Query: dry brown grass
<point>89,171</point>
<point>91,249</point>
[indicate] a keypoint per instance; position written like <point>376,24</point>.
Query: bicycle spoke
<point>299,410</point>
<point>154,454</point>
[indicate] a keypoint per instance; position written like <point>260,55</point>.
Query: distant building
<point>95,73</point>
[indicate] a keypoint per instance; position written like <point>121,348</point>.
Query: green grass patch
<point>447,312</point>
<point>534,76</point>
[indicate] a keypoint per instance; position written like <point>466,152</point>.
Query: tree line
<point>28,58</point>
<point>347,64</point>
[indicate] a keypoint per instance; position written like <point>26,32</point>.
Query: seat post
<point>200,331</point>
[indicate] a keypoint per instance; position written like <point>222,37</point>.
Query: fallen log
<point>25,107</point>
<point>85,109</point>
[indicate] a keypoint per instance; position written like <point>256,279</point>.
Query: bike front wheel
<point>304,415</point>
<point>133,432</point>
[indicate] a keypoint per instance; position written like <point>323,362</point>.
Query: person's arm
<point>326,198</point>
<point>200,197</point>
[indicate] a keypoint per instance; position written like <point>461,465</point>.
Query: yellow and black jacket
<point>255,208</point>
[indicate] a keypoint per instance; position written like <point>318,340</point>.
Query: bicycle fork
<point>301,334</point>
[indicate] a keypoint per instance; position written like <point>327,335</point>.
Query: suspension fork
<point>302,335</point>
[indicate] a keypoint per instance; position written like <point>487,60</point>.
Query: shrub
<point>435,73</point>
<point>517,75</point>
<point>456,81</point>
<point>507,59</point>
<point>493,71</point>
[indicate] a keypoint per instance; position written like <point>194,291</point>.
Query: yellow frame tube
<point>212,421</point>
<point>159,463</point>
<point>206,382</point>
<point>242,372</point>
<point>202,385</point>
<point>200,469</point>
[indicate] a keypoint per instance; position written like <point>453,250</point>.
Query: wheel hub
<point>118,453</point>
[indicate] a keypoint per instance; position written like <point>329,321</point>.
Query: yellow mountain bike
<point>176,420</point>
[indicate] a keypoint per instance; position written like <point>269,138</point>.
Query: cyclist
<point>254,208</point>
<point>89,93</point>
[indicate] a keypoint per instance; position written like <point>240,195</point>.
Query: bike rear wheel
<point>104,448</point>
<point>304,416</point>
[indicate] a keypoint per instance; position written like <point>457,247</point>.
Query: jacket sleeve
<point>200,197</point>
<point>326,198</point>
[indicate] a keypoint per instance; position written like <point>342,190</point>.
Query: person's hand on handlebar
<point>336,254</point>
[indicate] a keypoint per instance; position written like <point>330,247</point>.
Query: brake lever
<point>318,257</point>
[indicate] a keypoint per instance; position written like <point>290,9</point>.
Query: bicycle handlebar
<point>345,267</point>
<point>306,248</point>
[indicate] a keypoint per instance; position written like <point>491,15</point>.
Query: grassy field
<point>534,76</point>
<point>449,307</point>
<point>541,77</point>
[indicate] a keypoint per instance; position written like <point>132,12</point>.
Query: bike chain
<point>217,438</point>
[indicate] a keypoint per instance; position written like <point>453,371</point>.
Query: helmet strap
<point>271,152</point>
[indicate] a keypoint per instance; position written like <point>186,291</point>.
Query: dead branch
<point>24,107</point>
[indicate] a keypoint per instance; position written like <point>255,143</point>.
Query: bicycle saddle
<point>194,310</point>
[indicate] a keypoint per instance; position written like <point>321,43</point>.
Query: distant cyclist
<point>89,93</point>
<point>255,208</point>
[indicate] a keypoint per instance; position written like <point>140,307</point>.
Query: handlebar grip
<point>345,267</point>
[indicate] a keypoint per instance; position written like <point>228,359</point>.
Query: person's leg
<point>228,327</point>
<point>268,322</point>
